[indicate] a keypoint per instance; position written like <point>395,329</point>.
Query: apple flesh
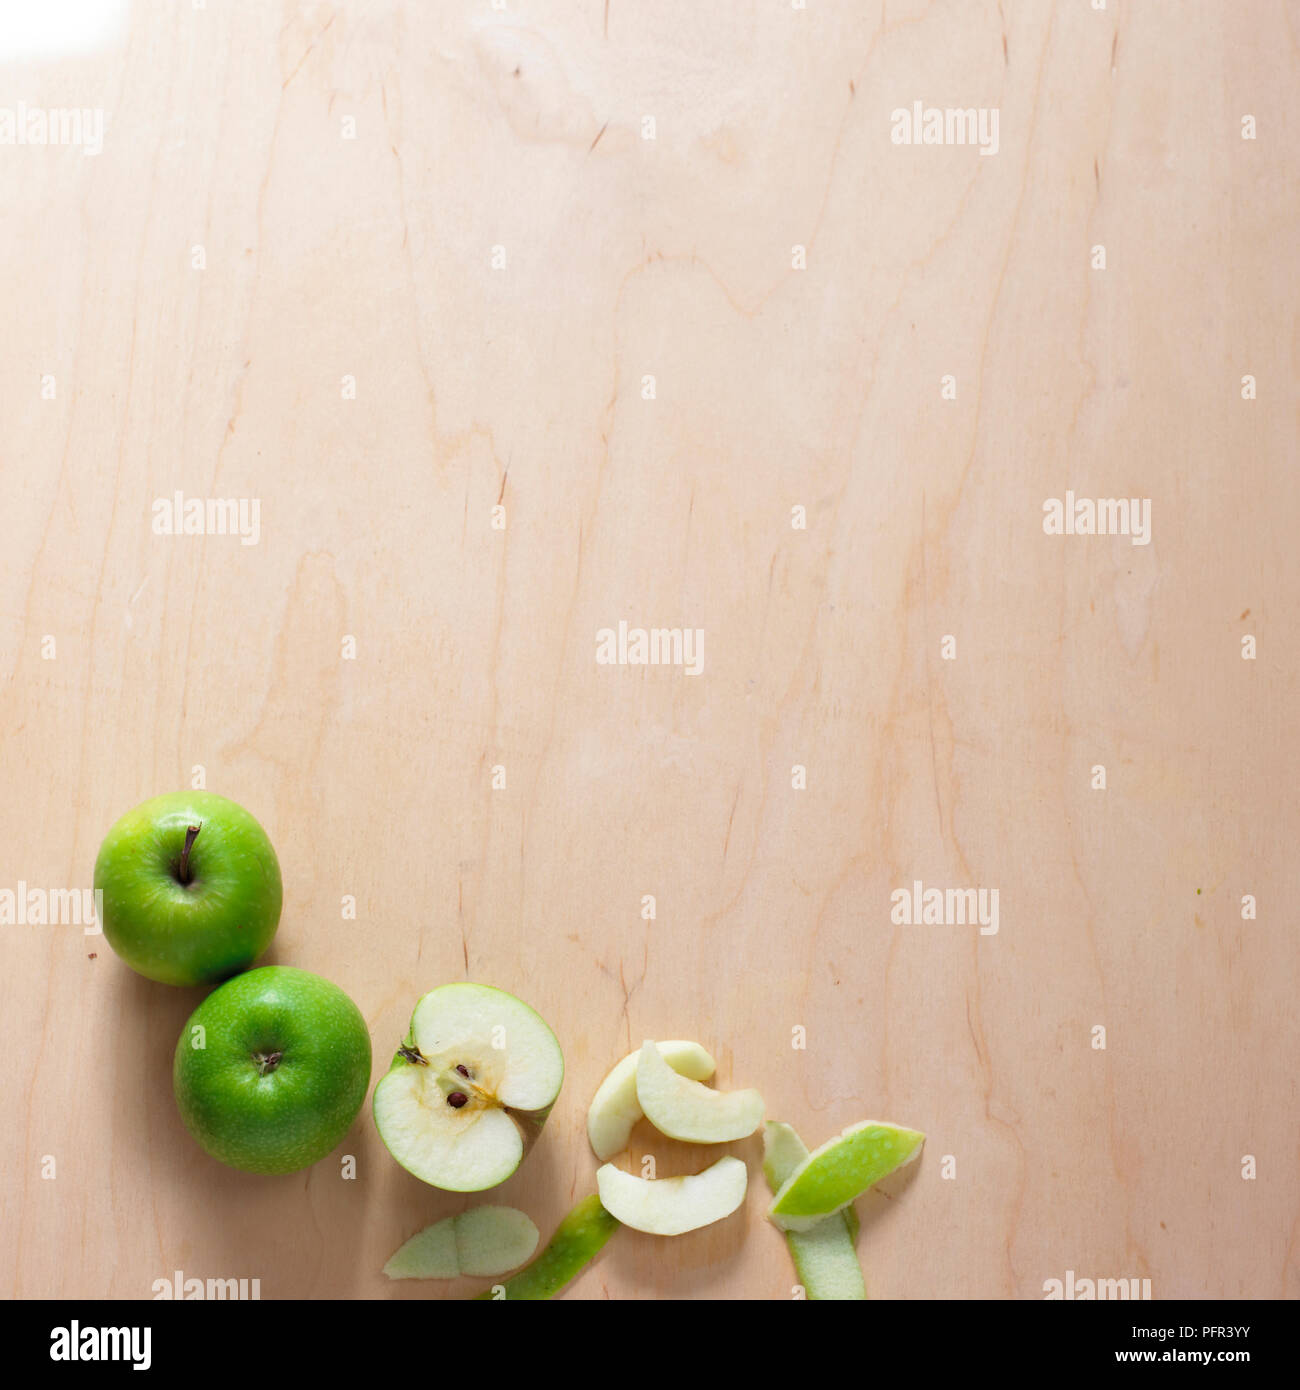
<point>671,1206</point>
<point>684,1109</point>
<point>615,1109</point>
<point>824,1256</point>
<point>191,888</point>
<point>484,1240</point>
<point>470,1087</point>
<point>842,1169</point>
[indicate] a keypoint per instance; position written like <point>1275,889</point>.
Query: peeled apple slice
<point>824,1257</point>
<point>615,1109</point>
<point>842,1169</point>
<point>484,1240</point>
<point>671,1206</point>
<point>684,1109</point>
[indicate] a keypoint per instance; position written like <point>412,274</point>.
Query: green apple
<point>483,1240</point>
<point>578,1239</point>
<point>842,1169</point>
<point>685,1109</point>
<point>615,1109</point>
<point>191,888</point>
<point>824,1257</point>
<point>671,1206</point>
<point>470,1087</point>
<point>271,1069</point>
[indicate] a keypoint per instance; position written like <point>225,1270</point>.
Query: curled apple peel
<point>842,1169</point>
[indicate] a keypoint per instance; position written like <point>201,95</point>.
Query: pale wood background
<point>775,387</point>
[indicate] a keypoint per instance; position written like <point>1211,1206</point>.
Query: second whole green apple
<point>271,1069</point>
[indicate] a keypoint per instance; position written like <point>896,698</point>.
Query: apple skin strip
<point>841,1170</point>
<point>824,1256</point>
<point>578,1239</point>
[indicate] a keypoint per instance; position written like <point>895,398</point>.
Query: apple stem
<point>191,834</point>
<point>267,1062</point>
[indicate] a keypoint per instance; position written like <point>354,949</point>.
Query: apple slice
<point>669,1206</point>
<point>429,1254</point>
<point>824,1257</point>
<point>469,1088</point>
<point>842,1169</point>
<point>684,1109</point>
<point>615,1108</point>
<point>578,1239</point>
<point>484,1240</point>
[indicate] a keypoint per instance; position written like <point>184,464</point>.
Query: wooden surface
<point>372,257</point>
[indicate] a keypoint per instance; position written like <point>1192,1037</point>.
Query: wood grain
<point>327,257</point>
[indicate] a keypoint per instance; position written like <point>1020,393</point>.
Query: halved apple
<point>684,1109</point>
<point>484,1240</point>
<point>840,1170</point>
<point>469,1088</point>
<point>615,1108</point>
<point>670,1206</point>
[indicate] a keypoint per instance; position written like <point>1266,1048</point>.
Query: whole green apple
<point>191,888</point>
<point>271,1069</point>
